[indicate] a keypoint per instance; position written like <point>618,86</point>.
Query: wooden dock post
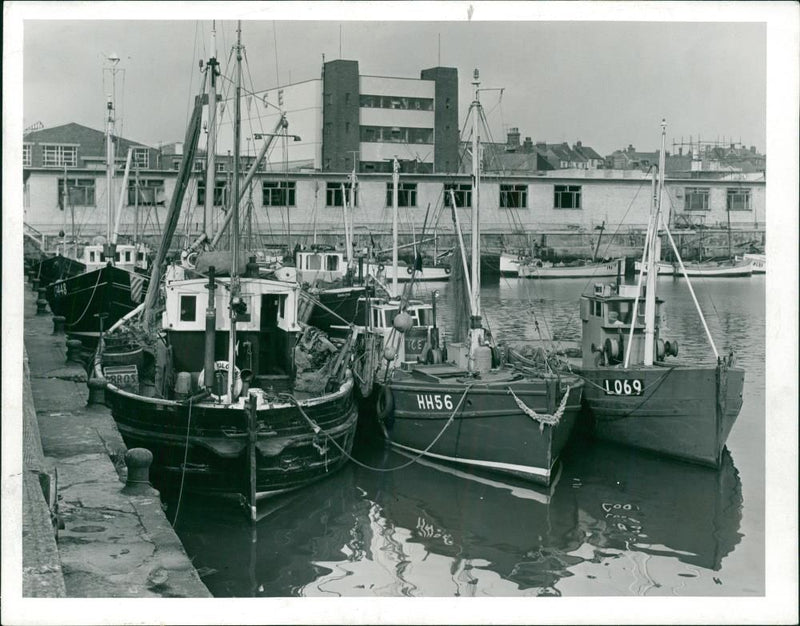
<point>252,429</point>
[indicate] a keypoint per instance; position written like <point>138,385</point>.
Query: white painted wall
<point>390,86</point>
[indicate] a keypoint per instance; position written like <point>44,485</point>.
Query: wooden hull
<point>80,299</point>
<point>589,270</point>
<point>509,264</point>
<point>489,429</point>
<point>57,267</point>
<point>676,415</point>
<point>340,307</point>
<point>436,273</point>
<point>706,270</point>
<point>205,445</point>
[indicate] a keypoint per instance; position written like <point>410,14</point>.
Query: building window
<point>199,165</point>
<point>513,196</point>
<point>222,167</point>
<point>396,102</point>
<point>176,164</point>
<point>26,155</point>
<point>220,193</point>
<point>56,155</point>
<point>406,194</point>
<point>333,194</point>
<point>738,200</point>
<point>567,197</point>
<point>278,193</point>
<point>141,158</point>
<point>695,199</point>
<point>188,308</point>
<point>80,192</point>
<point>146,193</point>
<point>396,134</point>
<point>463,194</point>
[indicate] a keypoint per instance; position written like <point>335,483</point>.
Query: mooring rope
<point>183,465</point>
<point>317,429</point>
<point>543,419</point>
<point>91,297</point>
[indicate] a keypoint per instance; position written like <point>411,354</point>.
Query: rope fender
<point>543,419</point>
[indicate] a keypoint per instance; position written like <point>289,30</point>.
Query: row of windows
<point>396,102</point>
<point>81,192</point>
<point>396,134</point>
<point>696,199</point>
<point>59,155</point>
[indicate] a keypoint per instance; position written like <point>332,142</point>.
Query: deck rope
<point>317,429</point>
<point>543,419</point>
<point>91,297</point>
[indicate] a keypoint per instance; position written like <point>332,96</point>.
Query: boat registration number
<point>59,289</point>
<point>434,402</point>
<point>623,387</point>
<point>122,376</point>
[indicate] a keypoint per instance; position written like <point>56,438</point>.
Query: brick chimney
<point>512,140</point>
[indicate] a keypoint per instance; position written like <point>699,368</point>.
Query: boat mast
<point>211,68</point>
<point>476,330</point>
<point>109,252</point>
<point>652,262</point>
<point>235,299</point>
<point>65,198</point>
<point>395,185</point>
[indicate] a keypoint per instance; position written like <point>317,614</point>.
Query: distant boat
<point>428,273</point>
<point>759,262</point>
<point>706,269</point>
<point>535,268</point>
<point>633,394</point>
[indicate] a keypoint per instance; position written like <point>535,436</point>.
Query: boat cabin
<point>126,256</point>
<point>320,263</point>
<point>416,338</point>
<point>607,315</point>
<point>266,329</point>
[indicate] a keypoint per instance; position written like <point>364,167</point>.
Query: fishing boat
<point>244,400</point>
<point>759,262</point>
<point>634,395</point>
<point>472,409</point>
<point>113,279</point>
<point>423,273</point>
<point>536,268</point>
<point>706,269</point>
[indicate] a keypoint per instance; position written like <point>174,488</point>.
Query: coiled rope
<point>317,429</point>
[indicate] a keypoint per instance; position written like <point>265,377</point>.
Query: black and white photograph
<point>312,308</point>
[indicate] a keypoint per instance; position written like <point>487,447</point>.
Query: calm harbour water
<point>617,522</point>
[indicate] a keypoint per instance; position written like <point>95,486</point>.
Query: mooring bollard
<point>35,283</point>
<point>41,303</point>
<point>58,324</point>
<point>138,461</point>
<point>74,351</point>
<point>97,390</point>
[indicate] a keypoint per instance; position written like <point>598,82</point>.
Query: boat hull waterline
<point>489,430</point>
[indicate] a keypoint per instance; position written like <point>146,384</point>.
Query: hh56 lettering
<point>434,402</point>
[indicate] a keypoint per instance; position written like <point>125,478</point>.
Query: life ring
<point>189,259</point>
<point>384,405</point>
<point>222,366</point>
<point>409,270</point>
<point>380,267</point>
<point>446,270</point>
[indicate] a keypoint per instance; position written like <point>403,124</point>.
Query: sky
<point>605,83</point>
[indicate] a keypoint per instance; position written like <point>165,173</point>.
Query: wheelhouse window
<point>188,308</point>
<point>80,192</point>
<point>281,193</point>
<point>567,197</point>
<point>26,155</point>
<point>738,199</point>
<point>141,158</point>
<point>146,192</point>
<point>695,199</point>
<point>513,196</point>
<point>463,194</point>
<point>220,192</point>
<point>406,194</point>
<point>333,194</point>
<point>396,102</point>
<point>58,155</point>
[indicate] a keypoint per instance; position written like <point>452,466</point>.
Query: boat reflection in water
<point>434,530</point>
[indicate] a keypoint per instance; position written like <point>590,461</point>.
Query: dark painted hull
<point>80,299</point>
<point>489,431</point>
<point>56,268</point>
<point>205,446</point>
<point>677,414</point>
<point>342,304</point>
